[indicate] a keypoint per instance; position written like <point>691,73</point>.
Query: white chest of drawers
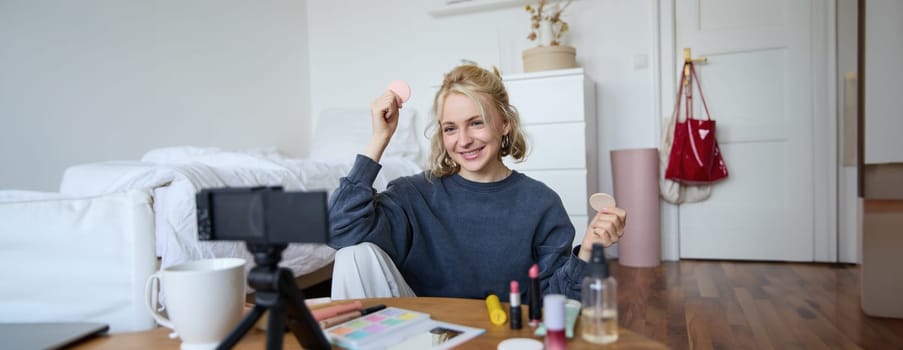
<point>557,111</point>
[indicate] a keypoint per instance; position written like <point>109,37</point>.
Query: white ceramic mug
<point>204,299</point>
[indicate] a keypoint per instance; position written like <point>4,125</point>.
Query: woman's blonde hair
<point>475,82</point>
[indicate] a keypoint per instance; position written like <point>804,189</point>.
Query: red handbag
<point>695,155</point>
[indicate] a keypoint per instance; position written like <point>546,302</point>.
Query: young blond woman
<point>469,225</point>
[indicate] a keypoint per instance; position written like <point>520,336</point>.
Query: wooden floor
<point>695,304</point>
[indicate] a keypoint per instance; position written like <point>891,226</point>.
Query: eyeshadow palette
<point>399,329</point>
<point>379,327</point>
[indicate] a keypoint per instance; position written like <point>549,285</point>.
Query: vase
<point>545,33</point>
<point>634,178</point>
<point>549,57</point>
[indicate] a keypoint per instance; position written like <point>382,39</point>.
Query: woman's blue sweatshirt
<point>452,237</point>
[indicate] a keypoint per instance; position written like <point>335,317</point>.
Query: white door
<point>758,83</point>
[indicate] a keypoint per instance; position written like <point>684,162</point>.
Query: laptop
<point>47,335</point>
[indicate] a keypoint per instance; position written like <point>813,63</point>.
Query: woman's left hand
<point>606,228</point>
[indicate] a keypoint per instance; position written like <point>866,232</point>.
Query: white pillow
<point>341,133</point>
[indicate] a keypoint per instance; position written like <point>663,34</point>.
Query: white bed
<point>101,227</point>
<point>176,174</point>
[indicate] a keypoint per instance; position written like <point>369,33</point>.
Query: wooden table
<point>467,312</point>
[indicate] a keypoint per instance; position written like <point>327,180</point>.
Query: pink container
<point>635,179</point>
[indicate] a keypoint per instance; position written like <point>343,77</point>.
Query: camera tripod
<point>275,290</point>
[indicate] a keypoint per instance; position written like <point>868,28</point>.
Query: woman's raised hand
<point>384,118</point>
<point>607,228</point>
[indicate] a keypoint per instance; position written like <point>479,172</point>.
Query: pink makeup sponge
<point>401,89</point>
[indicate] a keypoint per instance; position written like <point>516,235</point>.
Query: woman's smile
<point>471,154</point>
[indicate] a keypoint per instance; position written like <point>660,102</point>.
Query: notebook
<point>28,336</point>
<point>395,328</point>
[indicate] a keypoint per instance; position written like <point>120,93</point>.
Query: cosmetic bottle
<point>599,313</point>
<point>554,320</point>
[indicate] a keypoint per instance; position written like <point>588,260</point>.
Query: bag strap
<point>689,108</point>
<point>688,94</point>
<point>680,91</point>
<point>699,87</point>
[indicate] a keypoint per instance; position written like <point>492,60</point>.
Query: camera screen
<point>262,215</point>
<point>238,216</point>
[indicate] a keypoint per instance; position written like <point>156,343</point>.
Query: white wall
<point>358,46</point>
<point>94,80</point>
<point>882,77</point>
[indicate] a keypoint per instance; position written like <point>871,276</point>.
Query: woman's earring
<point>506,142</point>
<point>447,161</point>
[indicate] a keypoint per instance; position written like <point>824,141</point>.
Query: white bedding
<point>176,174</point>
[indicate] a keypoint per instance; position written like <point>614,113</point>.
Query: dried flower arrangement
<point>546,14</point>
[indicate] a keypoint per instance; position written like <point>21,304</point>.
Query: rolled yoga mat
<point>635,179</point>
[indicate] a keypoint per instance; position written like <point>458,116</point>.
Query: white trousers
<point>366,271</point>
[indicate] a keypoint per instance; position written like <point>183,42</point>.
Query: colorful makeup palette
<point>376,328</point>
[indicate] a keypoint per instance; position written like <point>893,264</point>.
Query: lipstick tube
<point>514,301</point>
<point>535,297</point>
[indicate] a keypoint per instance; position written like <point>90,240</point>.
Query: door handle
<point>688,58</point>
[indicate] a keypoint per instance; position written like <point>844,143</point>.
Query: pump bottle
<point>599,313</point>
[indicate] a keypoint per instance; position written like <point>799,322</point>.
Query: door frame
<point>825,134</point>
